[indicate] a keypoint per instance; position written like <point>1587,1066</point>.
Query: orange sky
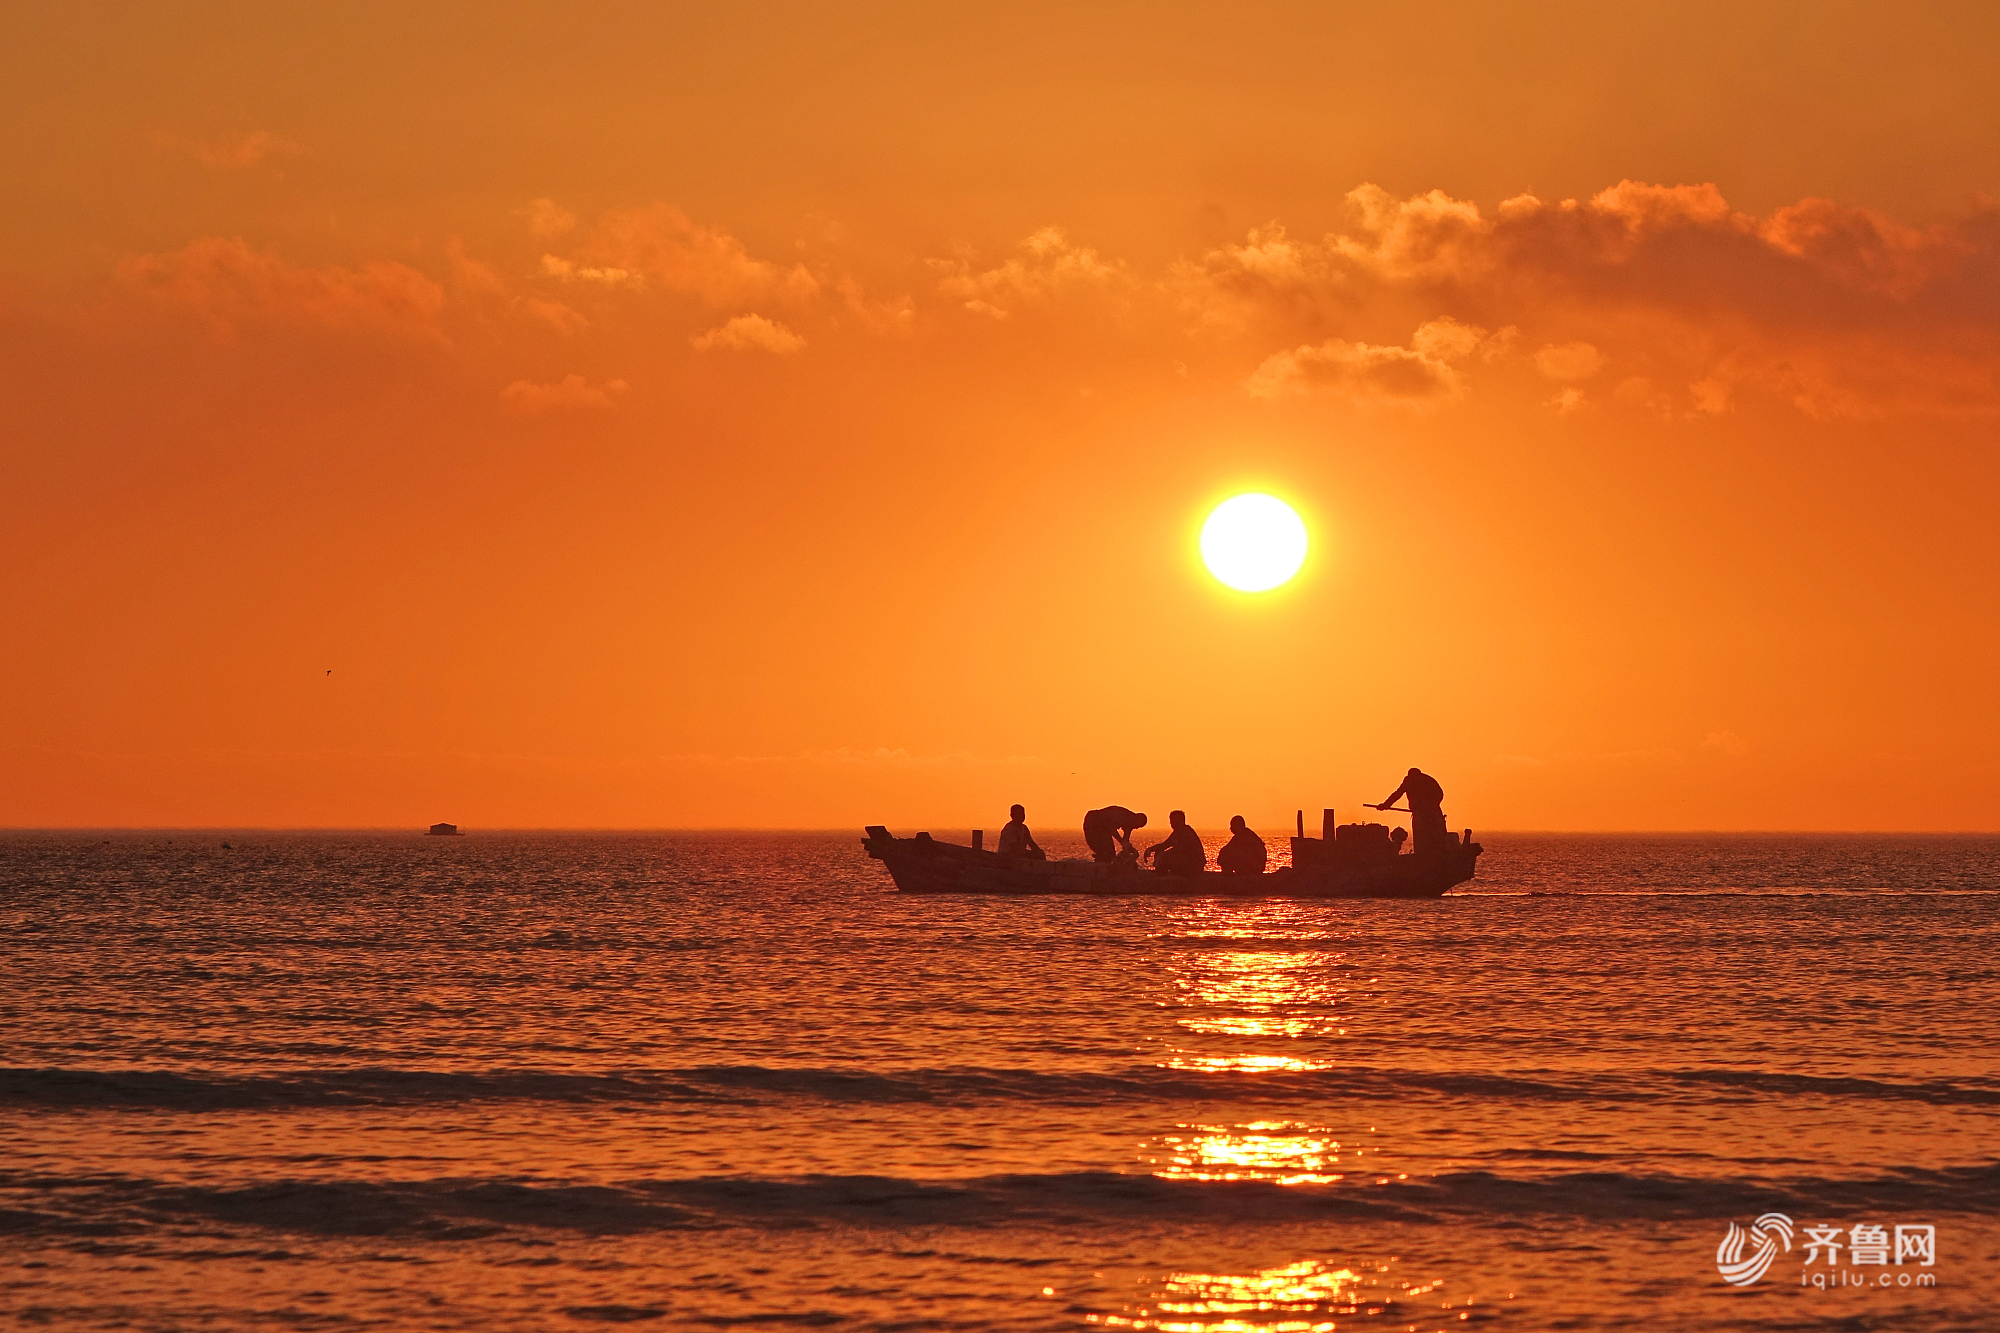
<point>803,415</point>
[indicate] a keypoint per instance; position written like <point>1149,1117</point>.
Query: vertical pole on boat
<point>1302,823</point>
<point>978,838</point>
<point>1326,826</point>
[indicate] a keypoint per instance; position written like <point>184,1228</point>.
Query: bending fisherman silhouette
<point>1180,852</point>
<point>1427,828</point>
<point>1244,853</point>
<point>1113,822</point>
<point>1015,840</point>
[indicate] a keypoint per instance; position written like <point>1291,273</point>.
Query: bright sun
<point>1253,543</point>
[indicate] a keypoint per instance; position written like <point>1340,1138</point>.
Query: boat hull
<point>923,865</point>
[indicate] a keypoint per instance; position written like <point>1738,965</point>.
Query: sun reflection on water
<point>1302,1297</point>
<point>1243,1025</point>
<point>1244,1064</point>
<point>1261,978</point>
<point>1258,997</point>
<point>1292,1299</point>
<point>1273,1150</point>
<point>1252,932</point>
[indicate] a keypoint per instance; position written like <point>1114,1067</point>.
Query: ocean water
<point>708,1081</point>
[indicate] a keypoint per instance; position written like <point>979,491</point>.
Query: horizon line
<point>423,830</point>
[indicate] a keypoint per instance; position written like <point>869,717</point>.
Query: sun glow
<point>1253,543</point>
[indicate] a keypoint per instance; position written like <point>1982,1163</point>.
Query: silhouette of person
<point>1244,853</point>
<point>1015,840</point>
<point>1101,827</point>
<point>1427,828</point>
<point>1180,852</point>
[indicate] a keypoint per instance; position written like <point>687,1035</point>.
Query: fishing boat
<point>1346,861</point>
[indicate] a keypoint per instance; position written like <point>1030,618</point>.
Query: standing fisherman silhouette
<point>1100,827</point>
<point>1427,828</point>
<point>1180,852</point>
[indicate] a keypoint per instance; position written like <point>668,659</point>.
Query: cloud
<point>1269,258</point>
<point>1044,266</point>
<point>546,218</point>
<point>749,333</point>
<point>1642,207</point>
<point>236,151</point>
<point>1569,361</point>
<point>569,271</point>
<point>884,315</point>
<point>1427,236</point>
<point>1710,396</point>
<point>1500,345</point>
<point>1726,742</point>
<point>1837,311</point>
<point>1269,277</point>
<point>471,274</point>
<point>573,393</point>
<point>678,255</point>
<point>1420,376</point>
<point>231,285</point>
<point>1363,373</point>
<point>565,320</point>
<point>1640,392</point>
<point>1447,339</point>
<point>1690,307</point>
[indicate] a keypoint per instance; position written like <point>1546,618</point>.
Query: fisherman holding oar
<point>1426,810</point>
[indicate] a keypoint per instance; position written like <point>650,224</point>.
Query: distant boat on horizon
<point>444,831</point>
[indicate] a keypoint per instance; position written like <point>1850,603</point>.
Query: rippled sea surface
<point>520,1081</point>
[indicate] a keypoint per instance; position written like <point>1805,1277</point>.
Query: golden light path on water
<point>1278,1151</point>
<point>1276,1300</point>
<point>1255,994</point>
<point>1271,1005</point>
<point>1229,1026</point>
<point>1309,1296</point>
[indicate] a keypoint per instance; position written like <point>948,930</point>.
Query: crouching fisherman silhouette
<point>1244,853</point>
<point>1180,852</point>
<point>1109,834</point>
<point>1015,840</point>
<point>1427,828</point>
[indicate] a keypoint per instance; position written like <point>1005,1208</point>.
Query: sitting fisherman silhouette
<point>1426,810</point>
<point>1244,853</point>
<point>1015,840</point>
<point>1180,852</point>
<point>1100,827</point>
